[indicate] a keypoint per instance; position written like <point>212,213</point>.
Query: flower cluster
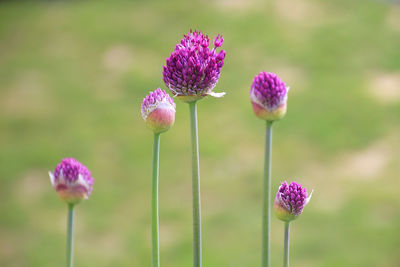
<point>268,95</point>
<point>72,180</point>
<point>290,201</point>
<point>193,69</point>
<point>158,111</point>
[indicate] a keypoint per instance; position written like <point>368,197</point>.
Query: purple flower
<point>158,111</point>
<point>72,181</point>
<point>268,95</point>
<point>193,69</point>
<point>290,201</point>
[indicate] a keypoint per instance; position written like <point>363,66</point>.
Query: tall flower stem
<point>286,246</point>
<point>195,186</point>
<point>70,235</point>
<point>266,214</point>
<point>155,250</point>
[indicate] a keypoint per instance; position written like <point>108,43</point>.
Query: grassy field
<point>72,78</point>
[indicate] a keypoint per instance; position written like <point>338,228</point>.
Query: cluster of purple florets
<point>70,169</point>
<point>153,99</point>
<point>268,89</point>
<point>193,69</point>
<point>294,196</point>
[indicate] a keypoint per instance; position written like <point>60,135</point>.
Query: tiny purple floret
<point>193,68</point>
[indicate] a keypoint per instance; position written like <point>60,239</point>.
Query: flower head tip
<point>72,181</point>
<point>158,111</point>
<point>290,201</point>
<point>268,95</point>
<point>193,68</point>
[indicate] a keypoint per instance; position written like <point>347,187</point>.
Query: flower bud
<point>268,95</point>
<point>194,67</point>
<point>72,181</point>
<point>158,111</point>
<point>290,201</point>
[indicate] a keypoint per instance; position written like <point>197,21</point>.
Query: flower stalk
<point>286,245</point>
<point>266,217</point>
<point>195,185</point>
<point>70,235</point>
<point>155,250</point>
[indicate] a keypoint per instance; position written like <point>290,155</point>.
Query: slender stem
<point>195,186</point>
<point>266,213</point>
<point>155,250</point>
<point>286,246</point>
<point>70,235</point>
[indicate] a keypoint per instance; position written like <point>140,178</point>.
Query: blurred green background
<point>72,78</point>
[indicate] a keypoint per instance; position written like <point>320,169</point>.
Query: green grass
<point>72,78</point>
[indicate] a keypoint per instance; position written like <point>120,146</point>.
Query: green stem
<point>70,235</point>
<point>195,186</point>
<point>286,246</point>
<point>155,250</point>
<point>266,217</point>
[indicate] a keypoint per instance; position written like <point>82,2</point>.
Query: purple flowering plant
<point>289,204</point>
<point>191,72</point>
<point>268,96</point>
<point>73,182</point>
<point>158,112</point>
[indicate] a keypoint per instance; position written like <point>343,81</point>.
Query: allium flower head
<point>290,201</point>
<point>193,68</point>
<point>158,111</point>
<point>72,181</point>
<point>268,95</point>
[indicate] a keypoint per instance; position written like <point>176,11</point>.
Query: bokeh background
<point>72,78</point>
